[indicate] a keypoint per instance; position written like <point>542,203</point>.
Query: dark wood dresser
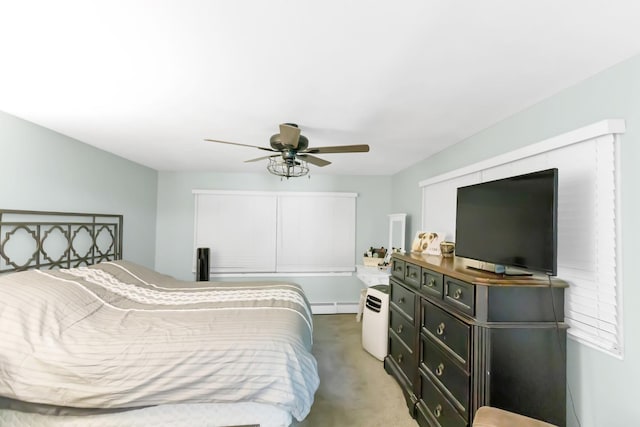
<point>460,339</point>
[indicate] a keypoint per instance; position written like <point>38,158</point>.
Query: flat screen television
<point>511,222</point>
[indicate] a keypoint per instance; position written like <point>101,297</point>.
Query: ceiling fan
<point>293,152</point>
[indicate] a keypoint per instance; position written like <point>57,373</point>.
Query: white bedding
<point>184,415</point>
<point>117,335</point>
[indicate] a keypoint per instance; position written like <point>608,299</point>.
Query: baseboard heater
<point>334,307</point>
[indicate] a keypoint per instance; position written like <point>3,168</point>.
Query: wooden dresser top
<point>458,268</point>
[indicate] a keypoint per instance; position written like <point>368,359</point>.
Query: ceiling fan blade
<point>362,148</point>
<point>242,145</point>
<point>262,158</point>
<point>314,160</point>
<point>289,135</point>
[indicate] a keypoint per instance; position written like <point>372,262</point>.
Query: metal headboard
<point>47,240</point>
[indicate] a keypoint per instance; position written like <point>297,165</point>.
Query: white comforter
<point>117,335</point>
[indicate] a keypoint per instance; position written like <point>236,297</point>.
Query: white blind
<point>587,228</point>
<point>587,246</point>
<point>439,204</point>
<point>316,233</point>
<point>239,231</point>
<point>276,232</point>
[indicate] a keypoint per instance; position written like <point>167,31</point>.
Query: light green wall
<point>603,387</point>
<point>43,170</point>
<point>174,248</point>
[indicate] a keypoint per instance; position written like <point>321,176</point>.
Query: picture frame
<point>427,242</point>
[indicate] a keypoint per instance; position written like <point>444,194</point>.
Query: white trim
<point>601,128</point>
<point>272,275</point>
<point>334,307</point>
<point>619,269</point>
<point>276,193</point>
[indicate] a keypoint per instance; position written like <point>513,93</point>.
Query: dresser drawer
<point>403,357</point>
<point>403,299</point>
<point>442,367</point>
<point>397,268</point>
<point>412,275</point>
<point>438,406</point>
<point>432,283</point>
<point>446,329</point>
<point>402,328</point>
<point>460,294</point>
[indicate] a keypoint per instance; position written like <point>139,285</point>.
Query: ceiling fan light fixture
<point>295,153</point>
<point>287,168</point>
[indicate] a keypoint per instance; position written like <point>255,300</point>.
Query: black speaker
<point>202,265</point>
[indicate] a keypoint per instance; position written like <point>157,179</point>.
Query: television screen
<point>510,222</point>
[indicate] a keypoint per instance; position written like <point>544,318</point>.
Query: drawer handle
<point>440,370</point>
<point>399,358</point>
<point>412,274</point>
<point>431,283</point>
<point>401,300</point>
<point>457,294</point>
<point>400,328</point>
<point>440,329</point>
<point>438,411</point>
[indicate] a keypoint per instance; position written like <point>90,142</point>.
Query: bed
<point>89,339</point>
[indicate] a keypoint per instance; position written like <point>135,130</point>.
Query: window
<point>588,231</point>
<point>276,232</point>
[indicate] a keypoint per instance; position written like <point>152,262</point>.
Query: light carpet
<point>354,388</point>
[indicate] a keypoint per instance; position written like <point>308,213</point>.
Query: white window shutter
<point>439,204</point>
<point>276,232</point>
<point>588,258</point>
<point>587,223</point>
<point>316,233</point>
<point>238,230</point>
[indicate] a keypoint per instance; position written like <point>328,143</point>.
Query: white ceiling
<point>149,80</point>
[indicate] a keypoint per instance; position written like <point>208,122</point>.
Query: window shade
<point>273,232</point>
<point>587,255</point>
<point>439,204</point>
<point>587,228</point>
<point>316,233</point>
<point>239,231</point>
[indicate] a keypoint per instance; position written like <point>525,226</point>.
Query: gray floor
<point>354,388</point>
